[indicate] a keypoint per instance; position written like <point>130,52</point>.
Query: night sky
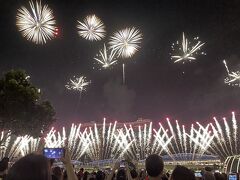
<point>155,87</point>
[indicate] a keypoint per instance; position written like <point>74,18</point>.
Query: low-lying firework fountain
<point>226,135</point>
<point>13,147</point>
<point>114,140</point>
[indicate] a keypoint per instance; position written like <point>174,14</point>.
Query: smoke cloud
<point>120,99</point>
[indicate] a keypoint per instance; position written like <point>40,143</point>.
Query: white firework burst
<point>233,78</point>
<point>126,42</point>
<point>37,24</point>
<point>105,58</point>
<point>92,28</point>
<point>78,84</point>
<point>186,51</point>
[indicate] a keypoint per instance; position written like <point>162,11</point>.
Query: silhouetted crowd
<point>38,167</point>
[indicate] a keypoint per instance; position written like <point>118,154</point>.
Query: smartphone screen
<point>198,174</point>
<point>232,177</point>
<point>53,153</point>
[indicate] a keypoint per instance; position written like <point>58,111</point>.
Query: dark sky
<point>155,86</point>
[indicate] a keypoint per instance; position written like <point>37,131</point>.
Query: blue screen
<point>232,177</point>
<point>53,153</point>
<point>198,174</point>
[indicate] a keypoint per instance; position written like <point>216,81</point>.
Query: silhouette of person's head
<point>30,167</point>
<point>121,175</point>
<point>154,165</point>
<point>182,173</point>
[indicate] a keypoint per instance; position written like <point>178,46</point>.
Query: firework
<point>196,143</point>
<point>105,58</point>
<point>233,78</point>
<point>186,51</point>
<point>5,141</point>
<point>126,42</point>
<point>55,141</point>
<point>226,137</point>
<point>161,141</point>
<point>105,142</point>
<point>37,23</point>
<point>28,145</point>
<point>115,141</point>
<point>138,142</point>
<point>15,147</point>
<point>175,143</point>
<point>78,84</point>
<point>91,28</point>
<point>76,141</point>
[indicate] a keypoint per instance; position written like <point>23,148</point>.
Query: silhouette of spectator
<point>4,168</point>
<point>182,173</point>
<point>80,174</point>
<point>30,167</point>
<point>57,172</point>
<point>154,166</point>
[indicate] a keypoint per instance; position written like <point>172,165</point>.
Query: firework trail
<point>174,135</point>
<point>102,146</point>
<point>141,141</point>
<point>184,139</point>
<point>123,73</point>
<point>235,128</point>
<point>162,141</point>
<point>55,141</point>
<point>29,145</point>
<point>179,133</point>
<point>225,142</point>
<point>228,134</point>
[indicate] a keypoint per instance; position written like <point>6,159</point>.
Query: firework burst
<point>78,84</point>
<point>186,50</point>
<point>92,28</point>
<point>233,78</point>
<point>126,42</point>
<point>105,58</point>
<point>37,24</point>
